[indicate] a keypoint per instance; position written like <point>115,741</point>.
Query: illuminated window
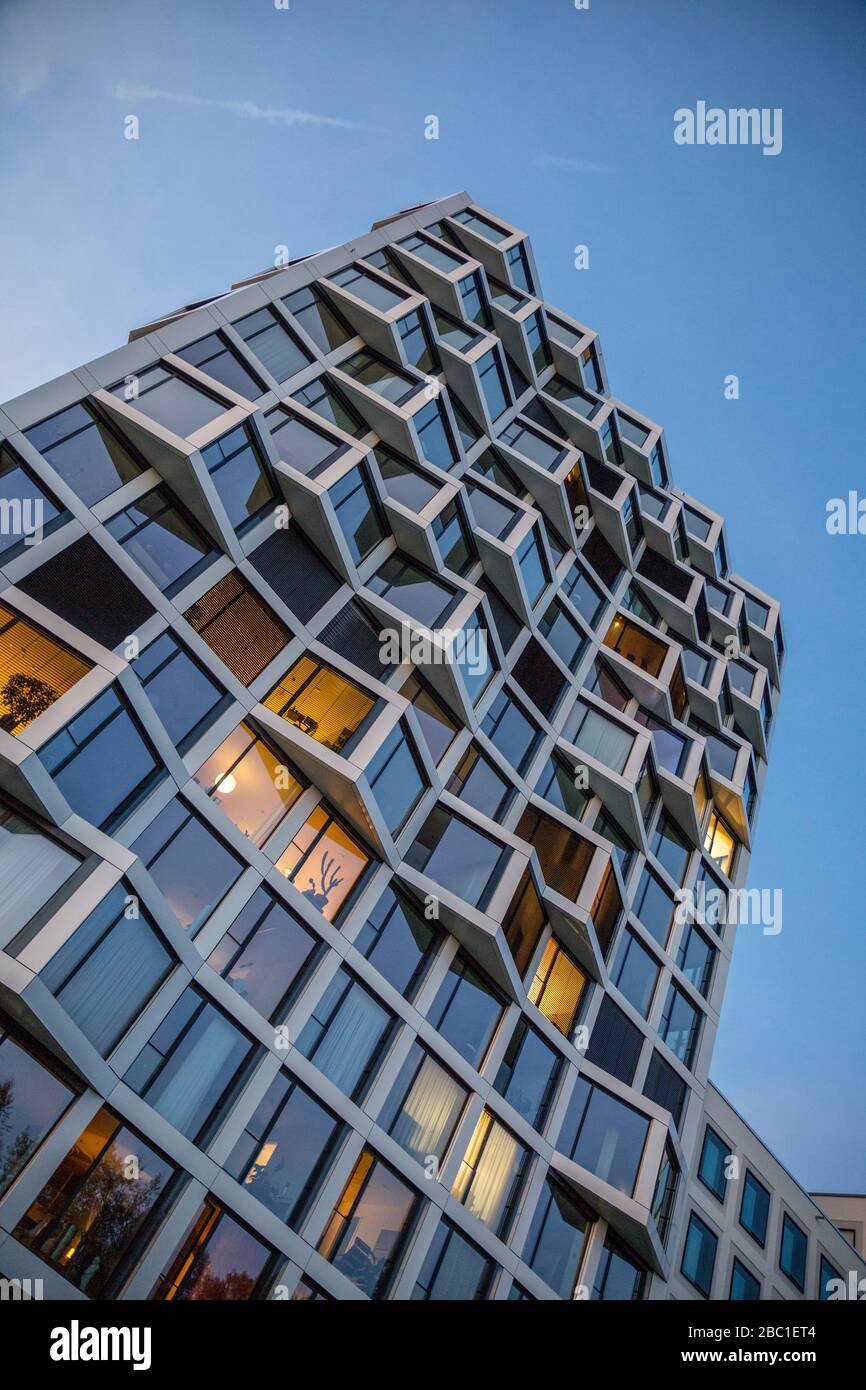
<point>249,783</point>
<point>35,670</point>
<point>636,645</point>
<point>424,1106</point>
<point>324,862</point>
<point>370,1225</point>
<point>720,844</point>
<point>558,987</point>
<point>220,1260</point>
<point>321,703</point>
<point>238,627</point>
<point>491,1174</point>
<point>89,1214</point>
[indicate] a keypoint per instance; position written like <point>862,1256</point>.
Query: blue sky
<point>261,127</point>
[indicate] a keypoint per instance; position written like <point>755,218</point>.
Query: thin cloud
<point>282,115</point>
<point>558,161</point>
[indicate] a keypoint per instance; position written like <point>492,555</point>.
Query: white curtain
<point>210,1056</point>
<point>115,982</point>
<point>352,1035</point>
<point>31,869</point>
<point>424,1124</point>
<point>603,740</point>
<point>494,1172</point>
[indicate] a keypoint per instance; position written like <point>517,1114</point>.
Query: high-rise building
<point>382,733</point>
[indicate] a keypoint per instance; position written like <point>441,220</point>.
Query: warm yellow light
<point>226,785</point>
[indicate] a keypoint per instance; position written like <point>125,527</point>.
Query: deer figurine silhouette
<point>330,878</point>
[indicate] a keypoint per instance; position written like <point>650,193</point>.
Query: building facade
<point>369,698</point>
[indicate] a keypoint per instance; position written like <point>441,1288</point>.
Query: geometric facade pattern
<point>368,696</point>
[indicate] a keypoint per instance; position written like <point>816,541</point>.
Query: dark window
<point>398,940</point>
<point>395,779</point>
<point>619,1277</point>
<point>654,905</point>
<point>539,677</point>
<point>87,589</point>
<point>417,344</point>
<point>826,1274</point>
<point>434,435</point>
<point>164,396</point>
<point>190,865</point>
<point>32,1099</point>
<point>615,1043</point>
<point>185,697</point>
<point>358,513</point>
<point>193,1067</point>
<point>528,1074</point>
<point>102,762</point>
<point>300,445</point>
<point>557,1238</point>
<point>86,451</point>
<point>476,782</point>
<point>356,638</point>
<point>493,384</point>
<point>214,357</point>
<point>327,401</point>
<point>533,567</point>
<point>295,571</point>
<point>671,848</point>
<point>370,288</point>
<point>318,318</point>
<point>109,968</point>
<point>557,784</point>
<point>455,546</point>
<point>266,954</point>
<point>239,476</point>
<point>711,1169</point>
<point>381,376</point>
<point>634,972</point>
<point>30,511</point>
<point>696,958</point>
<point>277,349</point>
<point>417,592</point>
<point>745,1288</point>
<point>454,1269</point>
<point>466,1010</point>
<point>699,1255</point>
<point>564,636</point>
<point>665,1087</point>
<point>680,1026</point>
<point>604,1135</point>
<point>792,1251</point>
<point>754,1208</point>
<point>159,536</point>
<point>437,726</point>
<point>284,1153</point>
<point>461,858</point>
<point>404,482</point>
